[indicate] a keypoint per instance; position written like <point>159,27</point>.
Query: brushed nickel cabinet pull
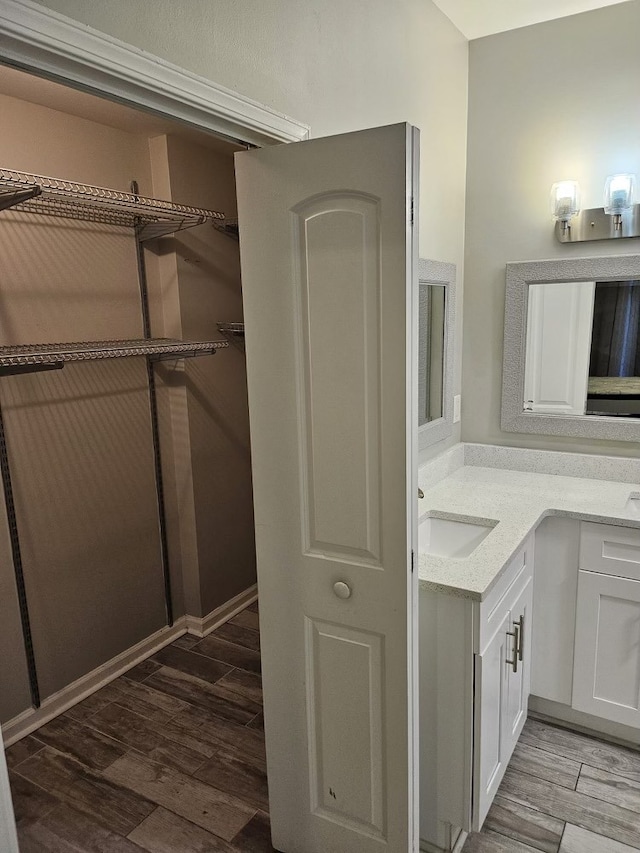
<point>516,646</point>
<point>520,623</point>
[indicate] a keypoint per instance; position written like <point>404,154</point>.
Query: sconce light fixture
<point>618,196</point>
<point>565,202</point>
<point>620,216</point>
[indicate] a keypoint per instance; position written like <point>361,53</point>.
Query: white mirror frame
<point>519,277</point>
<point>439,273</point>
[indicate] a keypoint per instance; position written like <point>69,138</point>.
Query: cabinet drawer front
<point>610,550</point>
<point>607,651</point>
<point>500,600</point>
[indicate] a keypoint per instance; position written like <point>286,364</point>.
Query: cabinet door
<point>519,681</point>
<point>606,681</point>
<point>490,760</point>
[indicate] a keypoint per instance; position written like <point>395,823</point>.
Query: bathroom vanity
<point>529,599</point>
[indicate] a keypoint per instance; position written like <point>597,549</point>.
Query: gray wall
<point>337,66</point>
<point>554,101</point>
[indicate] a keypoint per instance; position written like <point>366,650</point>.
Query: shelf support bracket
<point>16,554</point>
<point>19,369</point>
<point>10,198</point>
<point>155,425</point>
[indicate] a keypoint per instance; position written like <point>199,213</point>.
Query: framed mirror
<point>436,353</point>
<point>572,348</point>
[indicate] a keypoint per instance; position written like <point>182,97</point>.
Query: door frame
<point>51,45</point>
<point>48,44</point>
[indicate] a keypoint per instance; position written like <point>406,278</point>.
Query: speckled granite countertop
<point>518,501</point>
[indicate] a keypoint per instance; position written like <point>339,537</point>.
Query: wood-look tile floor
<point>564,792</point>
<point>168,758</point>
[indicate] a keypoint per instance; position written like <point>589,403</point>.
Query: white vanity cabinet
<point>502,669</point>
<point>475,672</point>
<point>586,633</point>
<point>606,679</point>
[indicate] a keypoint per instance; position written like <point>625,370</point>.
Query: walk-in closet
<point>126,513</point>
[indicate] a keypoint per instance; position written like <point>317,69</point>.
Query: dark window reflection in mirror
<point>614,364</point>
<point>583,349</point>
<point>431,352</point>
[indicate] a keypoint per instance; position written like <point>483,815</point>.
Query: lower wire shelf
<point>31,358</point>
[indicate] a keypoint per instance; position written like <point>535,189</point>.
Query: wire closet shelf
<point>148,219</point>
<point>55,197</point>
<point>21,359</point>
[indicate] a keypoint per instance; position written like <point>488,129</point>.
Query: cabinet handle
<point>520,623</point>
<point>516,646</point>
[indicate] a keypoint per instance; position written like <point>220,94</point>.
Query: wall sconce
<point>618,197</point>
<point>565,202</point>
<point>620,216</point>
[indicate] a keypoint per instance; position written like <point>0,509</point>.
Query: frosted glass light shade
<point>619,192</point>
<point>565,200</point>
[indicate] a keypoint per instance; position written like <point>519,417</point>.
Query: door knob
<point>342,590</point>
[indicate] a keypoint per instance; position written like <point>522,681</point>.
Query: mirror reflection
<point>431,352</point>
<point>583,349</point>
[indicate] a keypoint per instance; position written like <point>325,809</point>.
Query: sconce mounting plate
<point>595,224</point>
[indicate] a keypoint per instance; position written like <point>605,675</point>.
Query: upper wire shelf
<point>228,227</point>
<point>55,197</point>
<point>30,358</point>
<point>233,331</point>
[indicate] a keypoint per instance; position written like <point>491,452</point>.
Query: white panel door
<point>606,681</point>
<point>559,322</point>
<point>330,301</point>
<point>8,840</point>
<point>491,686</point>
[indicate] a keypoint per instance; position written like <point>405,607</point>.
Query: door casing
<point>50,45</point>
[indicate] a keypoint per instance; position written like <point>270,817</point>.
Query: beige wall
<point>339,67</point>
<point>205,270</point>
<point>211,292</point>
<point>548,102</point>
<point>336,65</point>
<point>79,438</point>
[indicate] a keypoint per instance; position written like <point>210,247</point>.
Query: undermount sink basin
<point>444,537</point>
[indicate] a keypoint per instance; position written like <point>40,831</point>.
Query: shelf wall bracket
<point>16,554</point>
<point>155,423</point>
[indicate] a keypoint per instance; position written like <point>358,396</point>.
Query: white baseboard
<point>205,625</point>
<point>427,847</point>
<point>30,720</point>
<point>554,712</point>
<point>457,847</point>
<point>75,692</point>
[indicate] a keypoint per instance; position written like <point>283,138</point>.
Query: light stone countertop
<point>518,501</point>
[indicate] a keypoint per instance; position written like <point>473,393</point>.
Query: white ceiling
<point>477,18</point>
